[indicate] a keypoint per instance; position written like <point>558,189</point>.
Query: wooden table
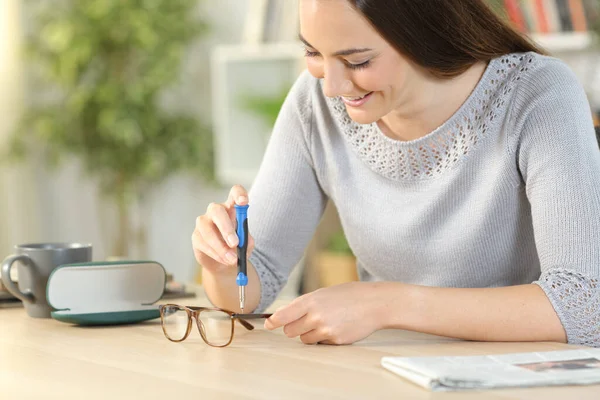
<point>44,358</point>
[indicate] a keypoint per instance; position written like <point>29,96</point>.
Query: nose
<point>336,82</point>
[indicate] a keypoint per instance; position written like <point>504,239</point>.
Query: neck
<point>437,100</point>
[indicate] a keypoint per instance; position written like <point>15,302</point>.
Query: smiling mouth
<point>355,98</point>
<point>356,101</point>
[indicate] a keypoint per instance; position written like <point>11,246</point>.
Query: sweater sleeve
<point>286,200</point>
<point>558,160</point>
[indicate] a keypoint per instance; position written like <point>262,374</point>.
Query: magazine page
<point>569,367</point>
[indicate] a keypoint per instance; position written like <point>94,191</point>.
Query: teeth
<point>353,98</point>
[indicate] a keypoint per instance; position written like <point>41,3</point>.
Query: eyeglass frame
<point>193,312</point>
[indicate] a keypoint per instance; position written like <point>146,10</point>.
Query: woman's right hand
<point>214,239</point>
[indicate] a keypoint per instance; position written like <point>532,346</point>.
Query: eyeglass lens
<point>175,322</point>
<point>215,326</point>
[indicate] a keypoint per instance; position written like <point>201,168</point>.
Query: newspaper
<point>551,368</point>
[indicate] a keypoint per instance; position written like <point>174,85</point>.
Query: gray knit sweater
<point>505,192</point>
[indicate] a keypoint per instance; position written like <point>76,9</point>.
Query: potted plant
<point>336,262</point>
<point>106,64</point>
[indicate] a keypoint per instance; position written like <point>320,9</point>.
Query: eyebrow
<point>345,52</point>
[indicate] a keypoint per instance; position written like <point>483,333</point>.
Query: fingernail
<point>232,239</point>
<point>242,199</point>
<point>231,257</point>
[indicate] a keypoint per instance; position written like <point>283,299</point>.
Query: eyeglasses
<point>216,325</point>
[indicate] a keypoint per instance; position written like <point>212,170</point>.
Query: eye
<point>308,53</point>
<point>359,66</point>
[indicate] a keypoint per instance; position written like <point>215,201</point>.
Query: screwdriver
<point>241,215</point>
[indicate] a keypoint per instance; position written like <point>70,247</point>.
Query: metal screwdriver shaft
<point>241,214</point>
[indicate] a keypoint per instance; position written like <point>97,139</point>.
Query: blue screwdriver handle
<point>241,215</point>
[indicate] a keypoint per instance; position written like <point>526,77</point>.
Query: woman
<point>463,164</point>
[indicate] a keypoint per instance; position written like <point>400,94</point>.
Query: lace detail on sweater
<point>437,152</point>
<point>576,299</point>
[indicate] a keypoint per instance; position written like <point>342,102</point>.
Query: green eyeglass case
<point>106,293</point>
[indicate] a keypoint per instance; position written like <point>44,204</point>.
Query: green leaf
<point>267,108</point>
<point>338,244</point>
<point>57,36</point>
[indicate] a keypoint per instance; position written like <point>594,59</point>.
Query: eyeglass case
<point>106,293</point>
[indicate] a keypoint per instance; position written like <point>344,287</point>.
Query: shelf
<point>237,70</point>
<point>567,41</point>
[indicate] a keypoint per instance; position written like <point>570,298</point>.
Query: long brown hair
<point>444,36</point>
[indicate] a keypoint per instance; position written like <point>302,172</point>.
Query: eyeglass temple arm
<point>243,317</point>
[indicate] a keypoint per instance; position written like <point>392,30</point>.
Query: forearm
<point>222,290</point>
<point>514,313</point>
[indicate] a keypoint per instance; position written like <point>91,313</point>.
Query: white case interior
<point>106,288</point>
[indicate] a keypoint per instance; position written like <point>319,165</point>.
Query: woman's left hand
<point>341,314</point>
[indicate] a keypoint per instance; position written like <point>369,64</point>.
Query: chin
<point>362,116</point>
<point>369,112</point>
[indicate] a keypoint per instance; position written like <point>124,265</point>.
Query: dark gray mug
<point>35,263</point>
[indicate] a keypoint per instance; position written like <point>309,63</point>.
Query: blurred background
<point>119,118</point>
